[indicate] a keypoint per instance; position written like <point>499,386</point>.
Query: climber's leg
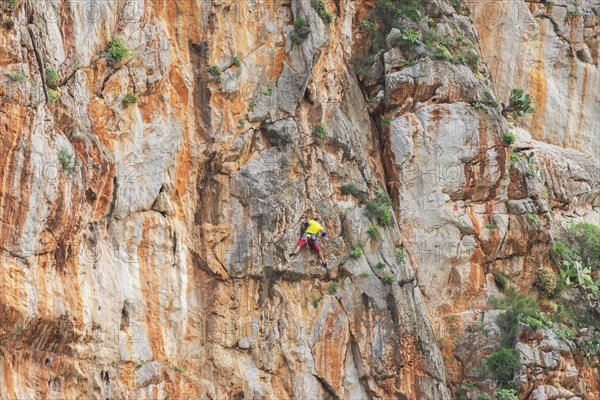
<point>300,245</point>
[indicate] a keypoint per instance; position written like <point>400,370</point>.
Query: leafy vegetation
<point>16,76</point>
<point>501,281</point>
<point>317,301</point>
<point>506,394</point>
<point>333,288</point>
<point>389,279</point>
<point>380,265</point>
<point>532,218</point>
<point>379,208</point>
<point>546,281</point>
<point>130,98</point>
<point>400,255</point>
<point>242,123</point>
<point>356,252</point>
<point>509,138</point>
<point>349,188</point>
<point>118,51</point>
<point>320,132</point>
<point>65,160</point>
<point>519,103</point>
<point>514,157</point>
<point>251,105</point>
<point>269,91</point>
<point>518,306</point>
<point>478,106</point>
<point>216,72</point>
<point>374,233</point>
<point>51,78</point>
<point>321,8</point>
<point>364,275</point>
<point>237,62</point>
<point>503,364</point>
<point>385,121</point>
<point>53,96</point>
<point>573,12</point>
<point>179,370</point>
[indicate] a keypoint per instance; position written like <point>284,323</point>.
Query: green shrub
<point>349,189</point>
<point>300,23</point>
<point>364,274</point>
<point>461,393</point>
<point>241,122</point>
<point>509,138</point>
<point>251,105</point>
<point>380,265</point>
<point>117,50</point>
<point>442,53</point>
<point>586,241</point>
<point>573,12</point>
<point>389,279</point>
<point>564,333</point>
<point>296,39</point>
<point>501,281</point>
<point>549,5</point>
<point>216,72</point>
<point>65,160</point>
<point>379,208</point>
<point>317,301</point>
<point>518,307</point>
<point>321,8</point>
<point>53,96</point>
<point>532,218</point>
<point>237,62</point>
<point>503,364</point>
<point>374,233</point>
<point>519,103</point>
<point>506,394</point>
<point>130,98</point>
<point>400,255</point>
<point>320,132</point>
<point>514,157</point>
<point>478,106</point>
<point>333,288</point>
<point>51,78</point>
<point>356,252</point>
<point>179,370</point>
<point>385,121</point>
<point>409,37</point>
<point>16,76</point>
<point>546,281</point>
<point>269,91</point>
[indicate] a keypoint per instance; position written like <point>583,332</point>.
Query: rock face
<point>144,238</point>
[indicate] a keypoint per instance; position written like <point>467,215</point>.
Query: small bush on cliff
<point>53,96</point>
<point>509,138</point>
<point>380,208</point>
<point>130,98</point>
<point>506,394</point>
<point>65,160</point>
<point>380,265</point>
<point>586,242</point>
<point>216,72</point>
<point>546,281</point>
<point>237,61</point>
<point>16,76</point>
<point>321,8</point>
<point>501,281</point>
<point>51,78</point>
<point>320,132</point>
<point>518,307</point>
<point>374,233</point>
<point>349,189</point>
<point>389,279</point>
<point>519,103</point>
<point>356,252</point>
<point>117,50</point>
<point>503,364</point>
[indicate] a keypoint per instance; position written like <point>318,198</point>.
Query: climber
<point>311,232</point>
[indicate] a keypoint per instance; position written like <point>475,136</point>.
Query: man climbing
<point>311,232</point>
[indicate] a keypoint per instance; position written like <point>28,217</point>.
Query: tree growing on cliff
<point>519,103</point>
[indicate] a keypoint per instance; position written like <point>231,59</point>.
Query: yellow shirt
<point>313,227</point>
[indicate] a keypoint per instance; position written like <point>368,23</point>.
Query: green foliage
<point>387,12</point>
<point>216,72</point>
<point>356,252</point>
<point>374,233</point>
<point>51,78</point>
<point>242,123</point>
<point>519,103</point>
<point>179,370</point>
<point>385,121</point>
<point>586,242</point>
<point>65,160</point>
<point>296,38</point>
<point>461,393</point>
<point>518,307</point>
<point>442,53</point>
<point>470,58</point>
<point>400,255</point>
<point>506,394</point>
<point>349,188</point>
<point>491,227</point>
<point>300,23</point>
<point>549,5</point>
<point>575,272</point>
<point>514,157</point>
<point>389,279</point>
<point>501,281</point>
<point>333,288</point>
<point>130,98</point>
<point>237,62</point>
<point>410,36</point>
<point>118,51</point>
<point>503,364</point>
<point>139,365</point>
<point>317,301</point>
<point>573,12</point>
<point>320,132</point>
<point>534,322</point>
<point>478,106</point>
<point>16,76</point>
<point>509,138</point>
<point>14,4</point>
<point>564,333</point>
<point>367,24</point>
<point>532,218</point>
<point>482,397</point>
<point>364,275</point>
<point>321,9</point>
<point>269,91</point>
<point>53,96</point>
<point>251,105</point>
<point>380,265</point>
<point>379,208</point>
<point>546,281</point>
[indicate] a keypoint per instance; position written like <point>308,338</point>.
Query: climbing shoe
<point>324,265</point>
<point>292,255</point>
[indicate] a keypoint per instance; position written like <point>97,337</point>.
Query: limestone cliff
<point>157,158</point>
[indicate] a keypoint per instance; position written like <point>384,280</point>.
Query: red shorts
<point>312,243</point>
